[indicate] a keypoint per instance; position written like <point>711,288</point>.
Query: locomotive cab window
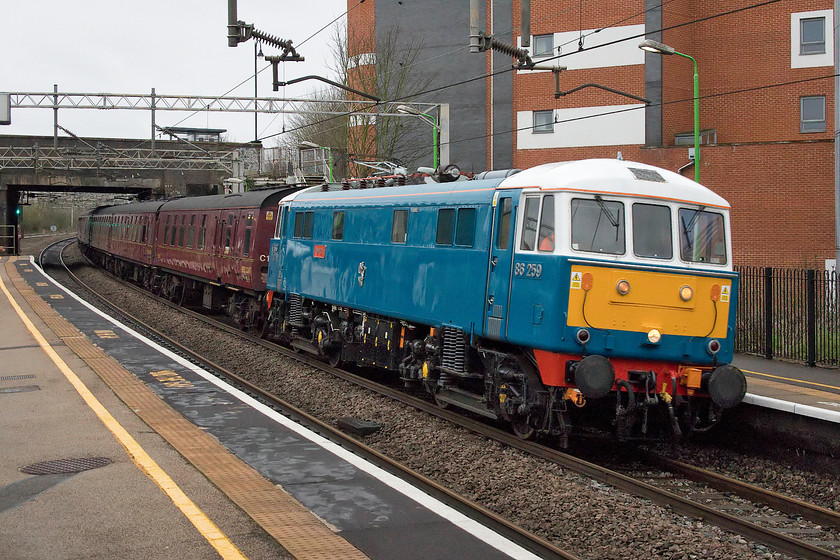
<point>652,231</point>
<point>503,232</point>
<point>538,217</point>
<point>702,237</point>
<point>399,226</point>
<point>598,226</point>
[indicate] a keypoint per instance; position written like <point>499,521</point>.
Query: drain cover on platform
<point>62,466</point>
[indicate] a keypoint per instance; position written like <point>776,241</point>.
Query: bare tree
<point>390,72</point>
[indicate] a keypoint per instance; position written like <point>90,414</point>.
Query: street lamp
<point>658,48</point>
<point>430,120</point>
<point>307,144</point>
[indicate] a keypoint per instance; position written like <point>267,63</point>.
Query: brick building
<point>766,100</point>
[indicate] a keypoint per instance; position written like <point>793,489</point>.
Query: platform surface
<point>367,509</point>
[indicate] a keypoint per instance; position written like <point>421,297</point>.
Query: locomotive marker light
<point>430,120</point>
<point>686,293</point>
<point>654,336</point>
<point>656,47</point>
<point>623,287</point>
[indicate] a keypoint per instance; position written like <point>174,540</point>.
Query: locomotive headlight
<point>654,335</point>
<point>686,293</point>
<point>623,287</point>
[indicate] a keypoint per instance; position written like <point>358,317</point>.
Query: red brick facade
<point>779,181</point>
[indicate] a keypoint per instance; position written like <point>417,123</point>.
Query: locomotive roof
<point>608,177</point>
<point>615,177</point>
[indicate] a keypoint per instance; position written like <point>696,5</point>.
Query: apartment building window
<point>543,122</point>
<point>812,113</point>
<point>812,36</point>
<point>544,45</point>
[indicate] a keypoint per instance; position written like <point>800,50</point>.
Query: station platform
<point>236,480</point>
<point>793,388</point>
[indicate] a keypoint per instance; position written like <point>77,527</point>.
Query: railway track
<point>794,527</point>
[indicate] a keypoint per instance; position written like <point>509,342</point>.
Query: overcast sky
<point>179,47</point>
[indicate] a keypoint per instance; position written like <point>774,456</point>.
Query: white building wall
<point>585,126</point>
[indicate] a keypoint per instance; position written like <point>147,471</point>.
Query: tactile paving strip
<point>299,531</point>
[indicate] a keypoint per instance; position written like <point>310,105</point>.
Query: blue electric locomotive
<point>531,298</point>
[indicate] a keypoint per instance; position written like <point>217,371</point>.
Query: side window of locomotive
<point>281,223</point>
<point>529,224</point>
<point>547,225</point>
<point>598,226</point>
<point>652,231</point>
<point>338,226</point>
<point>445,226</point>
<point>702,236</point>
<point>465,228</point>
<point>308,225</point>
<point>249,224</point>
<point>399,227</point>
<point>303,224</point>
<point>503,233</point>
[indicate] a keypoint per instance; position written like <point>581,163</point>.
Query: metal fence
<point>790,314</point>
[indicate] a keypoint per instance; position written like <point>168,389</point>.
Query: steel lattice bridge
<point>87,156</point>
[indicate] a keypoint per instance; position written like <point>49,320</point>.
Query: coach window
<point>338,226</point>
<point>166,231</point>
<point>249,222</point>
<point>503,233</point>
<point>652,231</point>
<point>182,231</point>
<point>529,224</point>
<point>445,226</point>
<point>399,226</point>
<point>173,236</point>
<point>465,228</point>
<point>202,231</point>
<point>546,243</point>
<point>702,236</point>
<point>229,230</point>
<point>191,232</point>
<point>598,226</point>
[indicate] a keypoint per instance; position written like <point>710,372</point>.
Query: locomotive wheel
<point>334,358</point>
<point>443,405</point>
<point>522,427</point>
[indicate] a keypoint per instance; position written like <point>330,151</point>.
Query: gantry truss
<point>110,159</point>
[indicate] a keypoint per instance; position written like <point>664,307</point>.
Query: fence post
<point>768,312</point>
<point>811,316</point>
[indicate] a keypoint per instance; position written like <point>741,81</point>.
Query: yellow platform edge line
<point>217,539</point>
<point>791,379</point>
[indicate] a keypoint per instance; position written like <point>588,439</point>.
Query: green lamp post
<point>659,48</point>
<point>430,120</point>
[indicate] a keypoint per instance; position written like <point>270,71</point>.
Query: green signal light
<point>18,211</point>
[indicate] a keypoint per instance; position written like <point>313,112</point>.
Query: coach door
<point>500,265</point>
